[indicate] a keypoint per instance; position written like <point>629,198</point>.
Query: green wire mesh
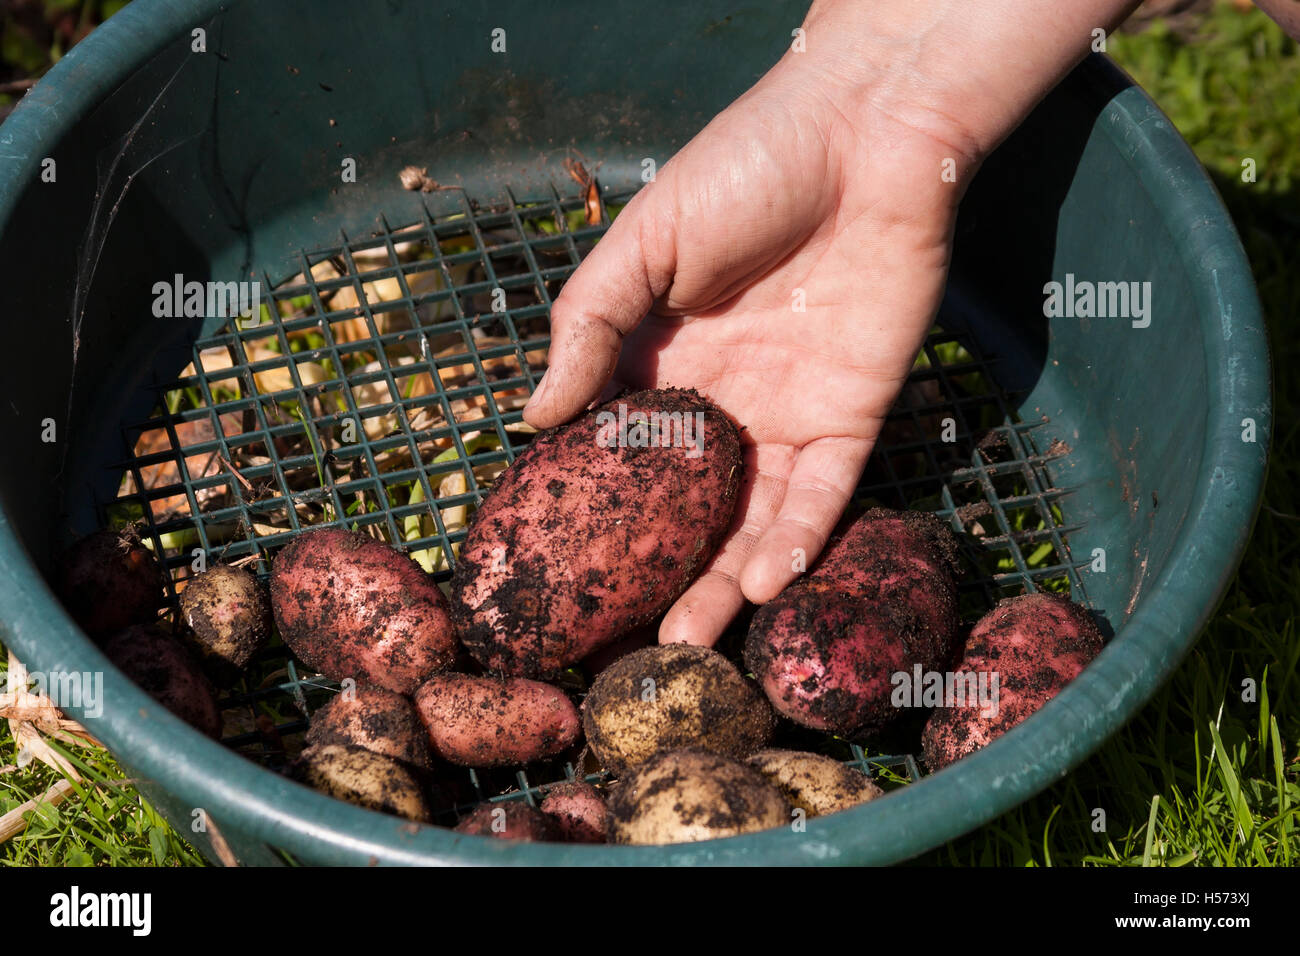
<point>382,386</point>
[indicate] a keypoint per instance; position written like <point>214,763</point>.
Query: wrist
<point>963,72</point>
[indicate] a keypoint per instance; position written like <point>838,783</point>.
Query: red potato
<point>509,821</point>
<point>578,810</point>
<point>109,581</point>
<point>905,558</point>
<point>376,719</point>
<point>168,673</point>
<point>491,722</point>
<point>882,600</point>
<point>351,606</point>
<point>826,663</point>
<point>1035,644</point>
<point>588,536</point>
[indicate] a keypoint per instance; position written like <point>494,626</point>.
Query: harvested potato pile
<point>670,697</point>
<point>567,566</point>
<point>882,600</point>
<point>591,533</point>
<point>1035,644</point>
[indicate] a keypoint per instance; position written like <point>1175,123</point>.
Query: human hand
<point>820,187</point>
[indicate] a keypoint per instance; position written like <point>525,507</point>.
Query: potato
<point>683,796</point>
<point>375,719</point>
<point>882,600</point>
<point>228,613</point>
<point>167,671</point>
<point>109,581</point>
<point>587,536</point>
<point>351,606</point>
<point>578,812</point>
<point>362,777</point>
<point>495,722</point>
<point>509,820</point>
<point>906,558</point>
<point>671,697</point>
<point>1035,644</point>
<point>814,783</point>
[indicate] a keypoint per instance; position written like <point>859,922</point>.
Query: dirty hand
<point>787,263</point>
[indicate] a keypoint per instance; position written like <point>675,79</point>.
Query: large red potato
<point>350,606</point>
<point>1035,644</point>
<point>592,533</point>
<point>882,600</point>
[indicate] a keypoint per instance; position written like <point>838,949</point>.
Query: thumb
<point>606,298</point>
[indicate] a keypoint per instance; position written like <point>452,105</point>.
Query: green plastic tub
<point>1120,458</point>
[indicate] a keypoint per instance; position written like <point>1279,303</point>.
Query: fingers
<point>821,484</point>
<point>606,298</point>
<point>703,612</point>
<point>584,350</point>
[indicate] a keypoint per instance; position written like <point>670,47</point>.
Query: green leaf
<point>158,844</point>
<point>1237,801</point>
<point>1151,831</point>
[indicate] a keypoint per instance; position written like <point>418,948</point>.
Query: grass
<point>103,822</point>
<point>1200,776</point>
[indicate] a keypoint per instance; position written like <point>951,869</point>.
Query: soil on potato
<point>888,577</point>
<point>362,777</point>
<point>745,795</point>
<point>731,715</point>
<point>228,612</point>
<point>1020,640</point>
<point>543,514</point>
<point>333,628</point>
<point>375,715</point>
<point>487,722</point>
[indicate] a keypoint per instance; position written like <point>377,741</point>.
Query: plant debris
<point>590,191</point>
